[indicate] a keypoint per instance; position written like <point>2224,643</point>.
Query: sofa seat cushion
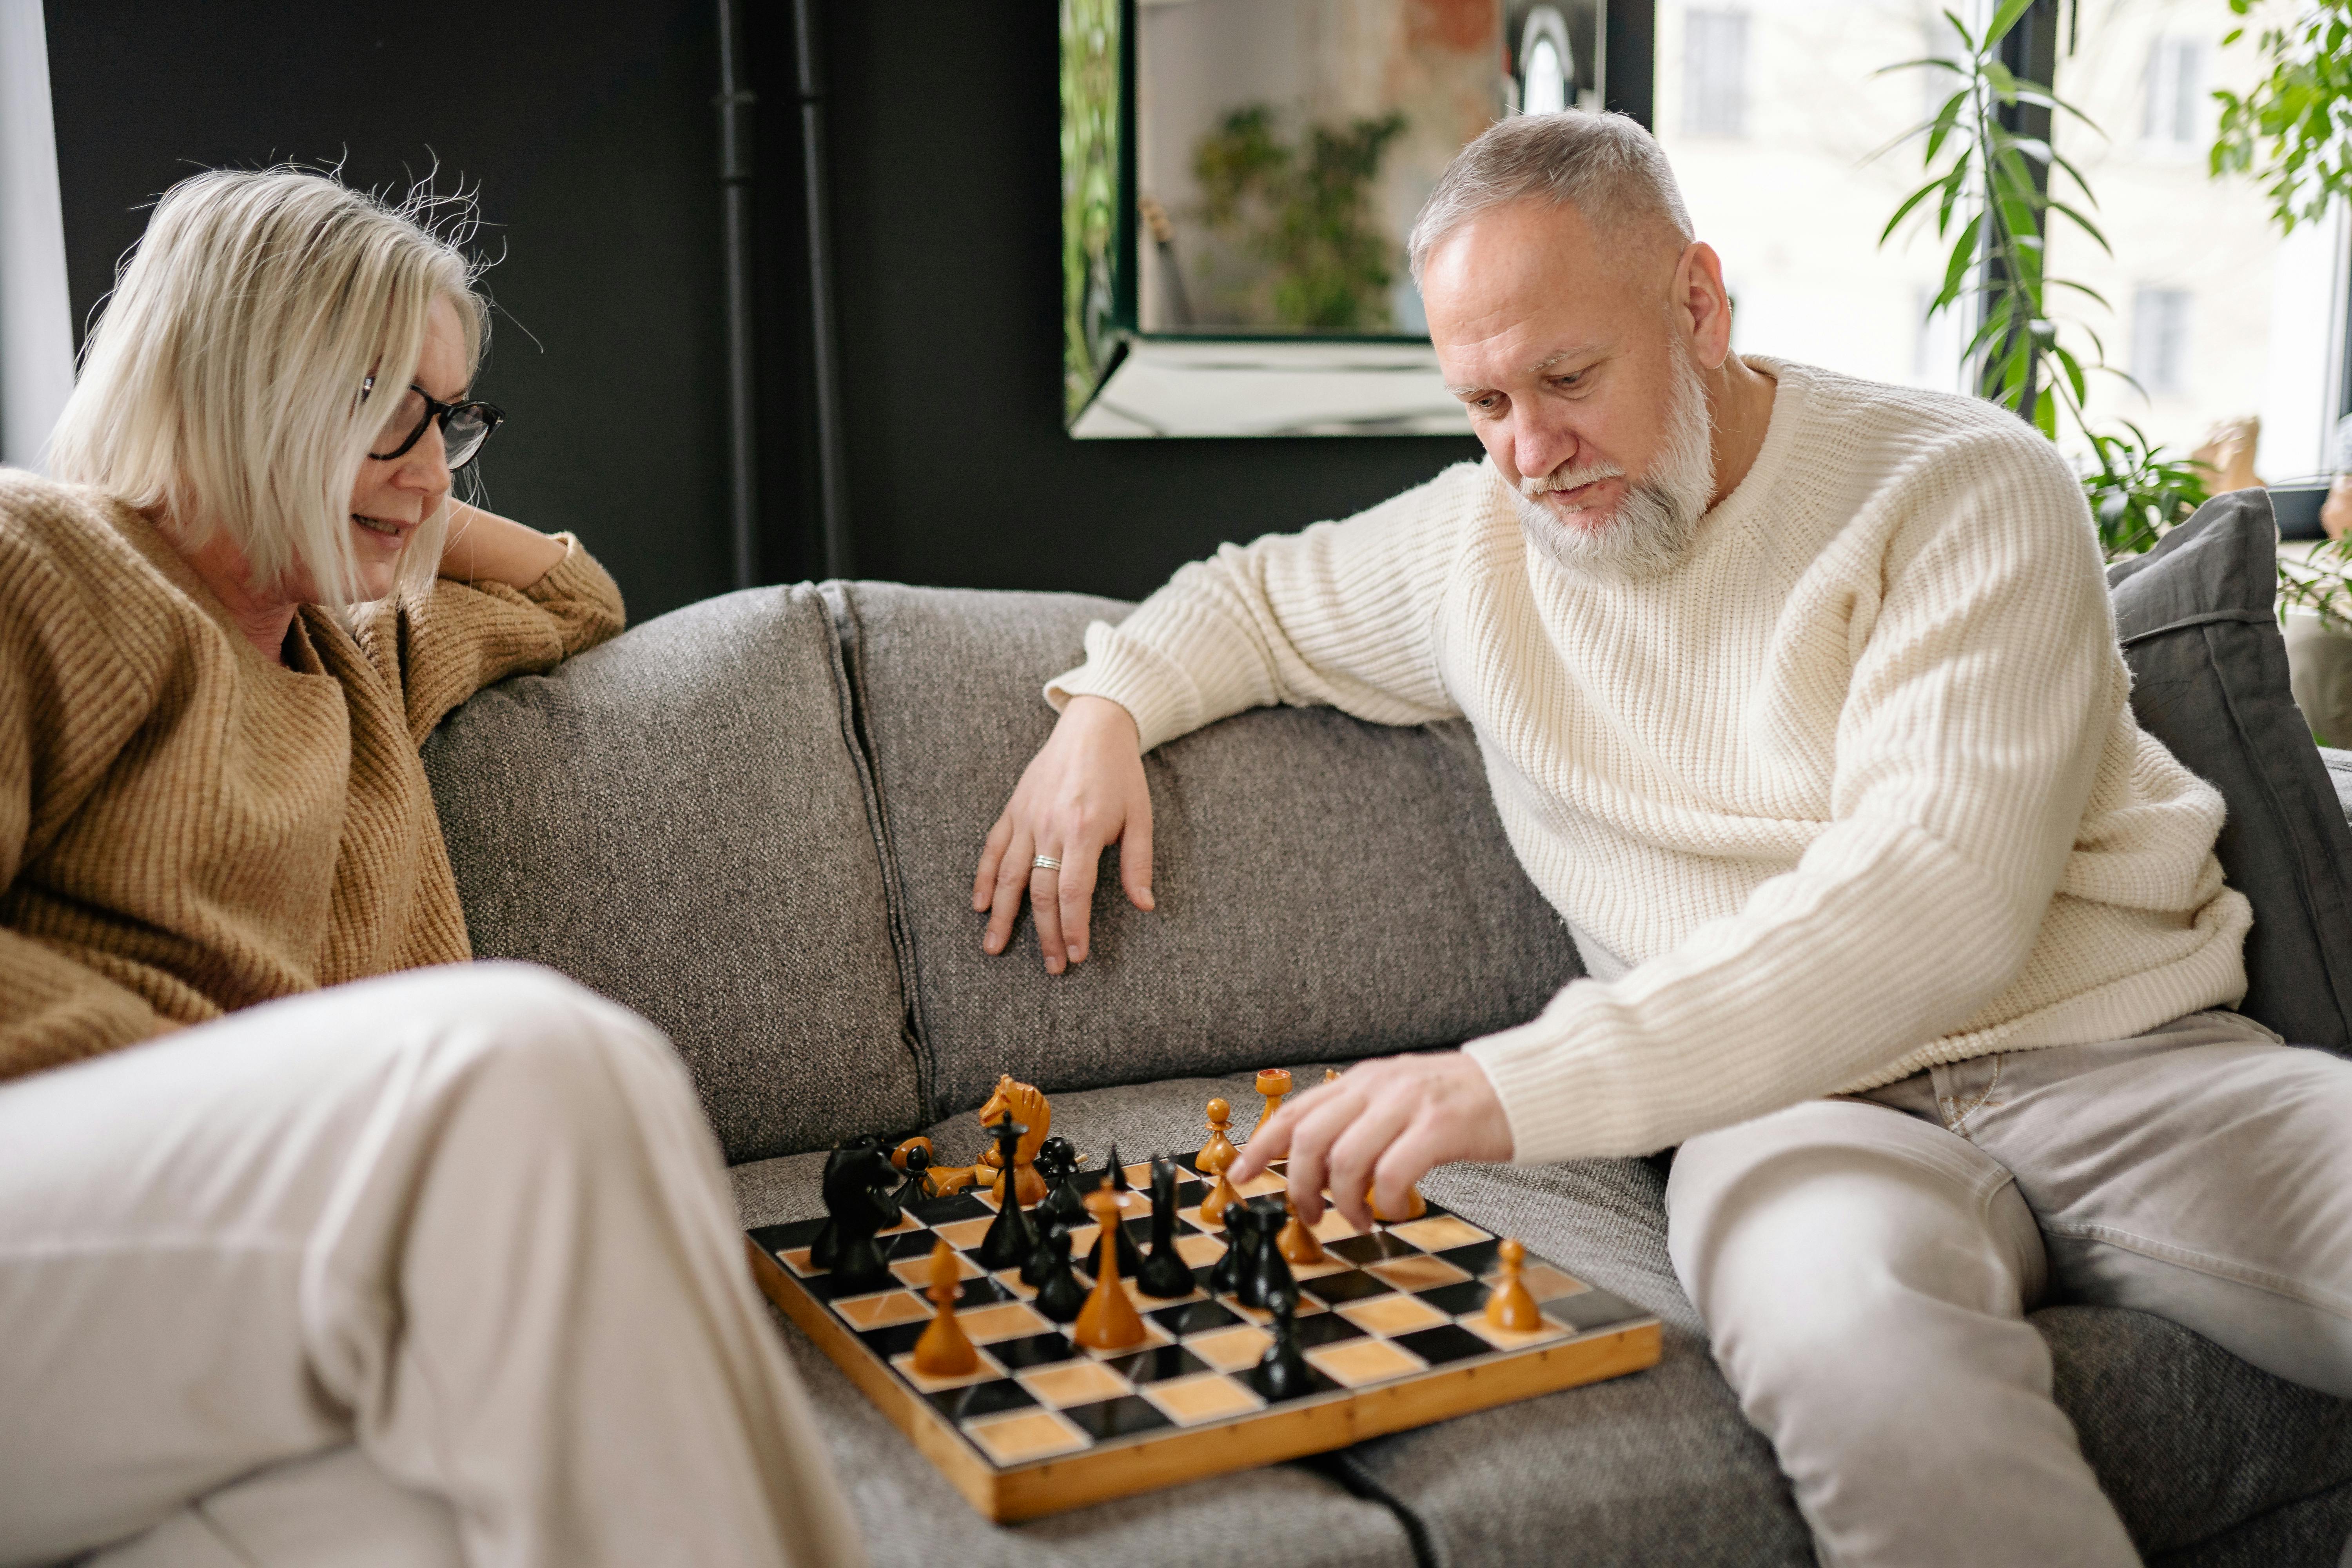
<point>2197,1448</point>
<point>1326,888</point>
<point>678,819</point>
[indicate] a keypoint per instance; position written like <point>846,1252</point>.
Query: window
<point>1715,73</point>
<point>2159,349</point>
<point>2170,118</point>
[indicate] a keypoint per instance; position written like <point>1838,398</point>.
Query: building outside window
<point>2172,115</point>
<point>1715,73</point>
<point>2159,350</point>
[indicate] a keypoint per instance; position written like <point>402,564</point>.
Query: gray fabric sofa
<point>754,821</point>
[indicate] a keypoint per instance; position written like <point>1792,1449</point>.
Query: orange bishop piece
<point>1509,1305</point>
<point>945,1351</point>
<point>1107,1320</point>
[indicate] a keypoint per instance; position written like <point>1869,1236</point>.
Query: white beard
<point>1657,523</point>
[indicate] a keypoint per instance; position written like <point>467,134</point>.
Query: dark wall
<point>589,129</point>
<point>589,126</point>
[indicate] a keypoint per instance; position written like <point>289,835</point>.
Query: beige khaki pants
<point>437,1268</point>
<point>1863,1266</point>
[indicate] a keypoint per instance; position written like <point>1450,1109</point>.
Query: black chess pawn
<point>1010,1238</point>
<point>1039,1263</point>
<point>1283,1372</point>
<point>1235,1270</point>
<point>917,1159</point>
<point>1269,1271</point>
<point>1164,1273</point>
<point>1057,1162</point>
<point>1059,1294</point>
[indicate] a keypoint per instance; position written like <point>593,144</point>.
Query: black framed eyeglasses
<point>464,425</point>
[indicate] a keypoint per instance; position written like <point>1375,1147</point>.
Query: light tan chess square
<point>1230,1350</point>
<point>1148,1303</point>
<point>1139,1177</point>
<point>1011,1280</point>
<point>964,1233</point>
<point>881,1312</point>
<point>1546,1283</point>
<point>1352,1364</point>
<point>989,1367</point>
<point>1199,1251</point>
<point>906,1223</point>
<point>1508,1338</point>
<point>1437,1234</point>
<point>1418,1273</point>
<point>1334,1226</point>
<point>1005,1320</point>
<point>1307,1308</point>
<point>797,1260</point>
<point>1263,1181</point>
<point>1306,1271</point>
<point>1069,1383</point>
<point>1205,1397</point>
<point>916,1271</point>
<point>1153,1337</point>
<point>1392,1314</point>
<point>1025,1434</point>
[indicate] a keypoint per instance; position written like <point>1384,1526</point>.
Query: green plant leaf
<point>2004,19</point>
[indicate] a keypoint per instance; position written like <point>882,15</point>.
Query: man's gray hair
<point>1604,166</point>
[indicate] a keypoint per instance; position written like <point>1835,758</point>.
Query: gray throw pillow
<point>2210,680</point>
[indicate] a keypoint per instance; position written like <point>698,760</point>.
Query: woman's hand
<point>1082,792</point>
<point>486,547</point>
<point>1381,1128</point>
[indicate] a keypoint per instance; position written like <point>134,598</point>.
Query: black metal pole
<point>2030,50</point>
<point>735,101</point>
<point>824,344</point>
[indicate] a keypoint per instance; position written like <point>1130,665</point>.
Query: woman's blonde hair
<point>221,386</point>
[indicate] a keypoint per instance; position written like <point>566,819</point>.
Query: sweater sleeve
<point>1340,615</point>
<point>65,702</point>
<point>1965,752</point>
<point>442,647</point>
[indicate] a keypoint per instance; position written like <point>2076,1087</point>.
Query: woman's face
<point>392,499</point>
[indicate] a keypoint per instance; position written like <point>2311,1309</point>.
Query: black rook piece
<point>1164,1273</point>
<point>1011,1240</point>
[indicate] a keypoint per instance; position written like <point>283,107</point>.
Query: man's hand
<point>1384,1125</point>
<point>1083,792</point>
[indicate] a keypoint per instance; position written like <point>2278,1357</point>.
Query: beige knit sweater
<point>187,829</point>
<point>1852,790</point>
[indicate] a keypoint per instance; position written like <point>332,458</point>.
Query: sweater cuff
<point>580,582</point>
<point>1557,1102</point>
<point>1162,698</point>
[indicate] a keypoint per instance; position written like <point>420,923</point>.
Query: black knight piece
<point>1165,1273</point>
<point>1011,1238</point>
<point>1057,1162</point>
<point>1059,1294</point>
<point>857,1205</point>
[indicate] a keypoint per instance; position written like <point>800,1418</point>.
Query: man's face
<point>1568,356</point>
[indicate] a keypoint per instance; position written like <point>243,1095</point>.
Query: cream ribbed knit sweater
<point>1852,790</point>
<point>186,827</point>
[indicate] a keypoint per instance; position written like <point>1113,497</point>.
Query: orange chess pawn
<point>1297,1243</point>
<point>945,1351</point>
<point>1509,1305</point>
<point>1108,1321</point>
<point>1219,1151</point>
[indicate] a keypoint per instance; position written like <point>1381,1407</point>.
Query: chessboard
<point>1393,1323</point>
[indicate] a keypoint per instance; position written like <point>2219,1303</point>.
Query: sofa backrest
<point>1326,888</point>
<point>678,820</point>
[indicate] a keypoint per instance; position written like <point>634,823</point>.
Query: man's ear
<point>1702,304</point>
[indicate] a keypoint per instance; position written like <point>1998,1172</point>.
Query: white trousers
<point>437,1268</point>
<point>1864,1267</point>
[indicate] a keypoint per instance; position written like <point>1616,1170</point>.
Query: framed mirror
<point>1238,180</point>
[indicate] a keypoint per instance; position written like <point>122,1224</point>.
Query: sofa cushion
<point>678,819</point>
<point>1327,887</point>
<point>2197,1447</point>
<point>2210,680</point>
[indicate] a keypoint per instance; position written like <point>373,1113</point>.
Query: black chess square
<point>949,1209</point>
<point>1158,1365</point>
<point>1477,1260</point>
<point>981,1399</point>
<point>1130,1413</point>
<point>982,1292</point>
<point>1372,1248</point>
<point>1446,1343</point>
<point>1317,1382</point>
<point>1588,1309</point>
<point>1193,1317</point>
<point>895,1340</point>
<point>1463,1295</point>
<point>1353,1286</point>
<point>1037,1350</point>
<point>783,1238</point>
<point>910,1244</point>
<point>1325,1329</point>
<point>1189,1194</point>
<point>1138,1231</point>
<point>1188,1163</point>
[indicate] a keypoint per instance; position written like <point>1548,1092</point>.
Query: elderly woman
<point>310,1233</point>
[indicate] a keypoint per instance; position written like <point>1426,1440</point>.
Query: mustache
<point>1569,479</point>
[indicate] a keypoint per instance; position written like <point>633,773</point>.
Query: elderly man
<point>1800,700</point>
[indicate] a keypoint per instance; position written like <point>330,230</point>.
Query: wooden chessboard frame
<point>1147,1461</point>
